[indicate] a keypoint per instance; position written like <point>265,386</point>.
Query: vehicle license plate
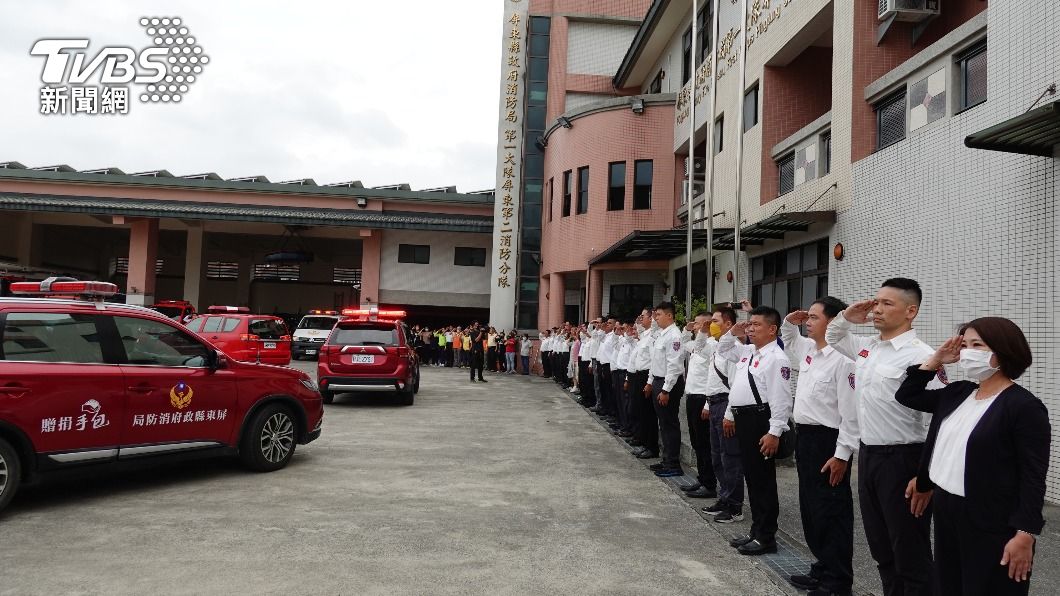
<point>270,345</point>
<point>310,352</point>
<point>364,359</point>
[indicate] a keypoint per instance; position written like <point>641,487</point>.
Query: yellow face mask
<point>715,330</point>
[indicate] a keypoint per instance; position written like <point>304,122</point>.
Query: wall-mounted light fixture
<point>362,202</point>
<point>541,142</point>
<point>728,277</point>
<point>564,122</point>
<point>637,105</point>
<point>837,252</point>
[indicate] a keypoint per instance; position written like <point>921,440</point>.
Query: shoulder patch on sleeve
<point>863,353</point>
<point>851,380</point>
<point>677,346</point>
<point>785,372</point>
<point>942,376</point>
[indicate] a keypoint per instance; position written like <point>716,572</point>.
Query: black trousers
<point>827,511</point>
<point>476,364</point>
<point>546,364</point>
<point>752,422</point>
<point>449,354</point>
<point>561,360</point>
<point>699,438</point>
<point>607,398</point>
<point>618,381</point>
<point>669,420</point>
<point>899,542</point>
<point>585,384</point>
<point>645,422</point>
<point>967,552</point>
<point>491,358</point>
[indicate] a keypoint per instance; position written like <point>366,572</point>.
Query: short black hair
<point>907,285</point>
<point>832,306</point>
<point>726,313</point>
<point>666,306</point>
<point>770,314</point>
<point>1006,341</point>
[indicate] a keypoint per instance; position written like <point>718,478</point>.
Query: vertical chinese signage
<point>504,279</point>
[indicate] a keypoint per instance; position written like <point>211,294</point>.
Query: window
<point>973,76</point>
<point>274,272</point>
<point>222,270</point>
<point>551,196</point>
<point>826,152</point>
<point>750,108</point>
<point>890,120</point>
<point>719,134</point>
<point>51,337</point>
<point>470,257</point>
<point>686,56</point>
<point>656,83</point>
<point>120,266</point>
<point>364,336</point>
<point>627,300</point>
<point>704,31</point>
<point>153,343</point>
<point>267,328</point>
<point>566,192</point>
<point>616,186</point>
<point>642,180</point>
<point>583,190</point>
<point>414,253</point>
<point>786,174</point>
<point>346,275</point>
<point>791,279</point>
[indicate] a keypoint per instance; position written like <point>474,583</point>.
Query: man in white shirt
<point>587,395</point>
<point>892,436</point>
<point>619,362</point>
<point>604,355</point>
<point>724,451</point>
<point>667,387</point>
<point>546,353</point>
<point>698,352</point>
<point>759,406</point>
<point>825,414</point>
<point>645,422</point>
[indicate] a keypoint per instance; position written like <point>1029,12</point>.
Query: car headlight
<point>309,384</point>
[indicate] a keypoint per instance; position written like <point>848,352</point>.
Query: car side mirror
<point>217,360</point>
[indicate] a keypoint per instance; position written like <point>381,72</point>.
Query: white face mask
<point>976,364</point>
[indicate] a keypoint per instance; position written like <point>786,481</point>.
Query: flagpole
<point>708,186</point>
<point>691,167</point>
<point>739,151</point>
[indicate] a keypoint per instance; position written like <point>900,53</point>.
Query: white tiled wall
<point>440,275</point>
<point>597,48</point>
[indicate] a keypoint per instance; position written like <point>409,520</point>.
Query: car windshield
<point>170,311</point>
<point>325,323</point>
<point>364,336</point>
<point>268,328</point>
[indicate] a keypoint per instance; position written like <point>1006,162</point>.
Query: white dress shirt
<point>951,445</point>
<point>606,354</point>
<point>668,357</point>
<point>562,345</point>
<point>585,352</point>
<point>624,350</point>
<point>594,343</point>
<point>643,350</point>
<point>699,354</point>
<point>772,373</point>
<point>880,370</point>
<point>825,391</point>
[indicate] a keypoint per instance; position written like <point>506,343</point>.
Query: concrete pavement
<point>500,488</point>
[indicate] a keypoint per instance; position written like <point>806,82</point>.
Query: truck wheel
<point>269,440</point>
<point>328,396</point>
<point>10,473</point>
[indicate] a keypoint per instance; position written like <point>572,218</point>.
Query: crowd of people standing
<point>457,347</point>
<point>970,456</point>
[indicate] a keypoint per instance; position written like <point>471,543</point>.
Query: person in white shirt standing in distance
<point>892,435</point>
<point>667,388</point>
<point>759,407</point>
<point>699,352</point>
<point>826,417</point>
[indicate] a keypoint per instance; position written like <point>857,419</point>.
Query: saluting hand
<point>950,350</point>
<point>858,312</point>
<point>745,305</point>
<point>739,329</point>
<point>798,317</point>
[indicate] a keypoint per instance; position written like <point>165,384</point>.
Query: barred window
<point>346,275</point>
<point>786,171</point>
<point>275,272</point>
<point>890,120</point>
<point>120,266</point>
<point>222,270</point>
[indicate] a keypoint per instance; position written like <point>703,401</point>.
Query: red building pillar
<point>143,258</point>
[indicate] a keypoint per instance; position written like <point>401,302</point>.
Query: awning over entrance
<point>399,220</point>
<point>654,245</point>
<point>1033,133</point>
<point>773,228</point>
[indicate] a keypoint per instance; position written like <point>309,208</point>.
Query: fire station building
<point>277,247</point>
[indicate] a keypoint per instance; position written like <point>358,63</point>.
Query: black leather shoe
<point>827,592</point>
<point>658,466</point>
<point>483,381</point>
<point>804,582</point>
<point>646,454</point>
<point>755,547</point>
<point>740,541</point>
<point>702,493</point>
<point>692,487</point>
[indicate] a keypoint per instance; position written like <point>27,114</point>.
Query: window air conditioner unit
<point>697,190</point>
<point>910,11</point>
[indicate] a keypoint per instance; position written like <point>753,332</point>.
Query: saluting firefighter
<point>759,406</point>
<point>645,422</point>
<point>699,351</point>
<point>546,353</point>
<point>826,417</point>
<point>667,387</point>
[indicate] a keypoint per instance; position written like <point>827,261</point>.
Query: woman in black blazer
<point>985,458</point>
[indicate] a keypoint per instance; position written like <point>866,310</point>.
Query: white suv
<point>312,332</point>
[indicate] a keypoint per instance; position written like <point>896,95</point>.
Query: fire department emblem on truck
<point>180,395</point>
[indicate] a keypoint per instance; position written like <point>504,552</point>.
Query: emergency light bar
<point>64,286</point>
<point>323,312</point>
<point>373,313</point>
<point>221,309</point>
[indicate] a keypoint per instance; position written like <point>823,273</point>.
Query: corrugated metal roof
<point>401,220</point>
<point>1033,133</point>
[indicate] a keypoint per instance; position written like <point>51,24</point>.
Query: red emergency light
<point>224,309</point>
<point>373,313</point>
<point>64,286</point>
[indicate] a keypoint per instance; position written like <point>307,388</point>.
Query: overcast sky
<point>382,92</point>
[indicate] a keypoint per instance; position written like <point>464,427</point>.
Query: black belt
<point>753,408</point>
<point>884,449</point>
<point>717,398</point>
<point>814,428</point>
